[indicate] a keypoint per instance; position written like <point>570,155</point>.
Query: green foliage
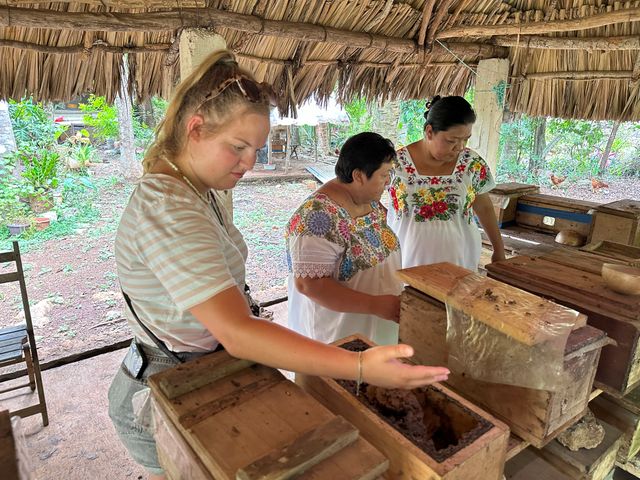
<point>33,126</point>
<point>411,124</point>
<point>41,171</point>
<point>102,117</point>
<point>577,153</point>
<point>11,208</point>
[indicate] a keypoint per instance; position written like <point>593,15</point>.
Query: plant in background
<point>41,178</point>
<point>33,126</point>
<point>102,117</point>
<point>411,122</point>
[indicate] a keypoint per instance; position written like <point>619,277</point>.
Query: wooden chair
<point>17,343</point>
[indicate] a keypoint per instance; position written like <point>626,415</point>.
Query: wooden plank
<point>615,228</point>
<point>587,464</point>
<point>619,251</point>
<point>192,375</point>
<point>514,312</point>
<point>626,208</point>
<point>584,261</point>
<point>307,450</point>
<point>9,277</point>
<point>604,407</point>
<point>530,466</point>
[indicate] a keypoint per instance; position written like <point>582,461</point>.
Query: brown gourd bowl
<point>621,278</point>
<point>570,238</point>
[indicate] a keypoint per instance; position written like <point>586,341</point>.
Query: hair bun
<point>430,104</point>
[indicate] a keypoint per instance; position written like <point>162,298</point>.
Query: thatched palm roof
<point>569,58</point>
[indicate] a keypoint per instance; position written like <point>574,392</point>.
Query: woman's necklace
<point>211,202</point>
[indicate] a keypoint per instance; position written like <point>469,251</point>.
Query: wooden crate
<point>504,197</point>
<point>480,459</point>
<point>586,464</point>
<point>623,413</point>
<point>547,213</point>
<point>223,418</point>
<point>615,314</point>
<point>535,415</point>
<point>617,222</point>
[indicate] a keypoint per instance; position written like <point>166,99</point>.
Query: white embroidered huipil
<point>433,216</point>
<point>362,253</point>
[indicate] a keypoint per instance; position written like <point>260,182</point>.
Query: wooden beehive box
<point>504,197</point>
<point>617,222</point>
<point>551,214</point>
<point>463,442</point>
<point>585,291</point>
<point>223,418</point>
<point>533,414</point>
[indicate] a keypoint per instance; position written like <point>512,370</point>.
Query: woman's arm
<point>483,208</point>
<point>227,317</point>
<point>331,294</point>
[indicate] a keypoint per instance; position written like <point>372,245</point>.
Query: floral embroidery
<point>438,197</point>
<point>367,240</point>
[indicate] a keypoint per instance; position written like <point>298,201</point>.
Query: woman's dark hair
<point>365,152</point>
<point>442,113</point>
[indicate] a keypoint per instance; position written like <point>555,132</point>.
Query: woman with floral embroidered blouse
<point>342,255</point>
<point>437,185</point>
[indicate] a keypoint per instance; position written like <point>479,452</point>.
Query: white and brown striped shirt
<point>172,254</point>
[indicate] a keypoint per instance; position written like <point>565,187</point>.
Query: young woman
<point>181,261</point>
<point>437,186</point>
<point>342,255</point>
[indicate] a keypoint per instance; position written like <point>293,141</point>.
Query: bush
<point>102,117</point>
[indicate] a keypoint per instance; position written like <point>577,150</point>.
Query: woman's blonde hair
<point>190,97</point>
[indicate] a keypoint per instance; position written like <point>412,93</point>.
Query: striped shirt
<point>172,254</point>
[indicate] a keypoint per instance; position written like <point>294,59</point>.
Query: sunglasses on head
<point>253,91</point>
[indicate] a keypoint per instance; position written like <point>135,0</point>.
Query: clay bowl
<point>570,238</point>
<point>621,278</point>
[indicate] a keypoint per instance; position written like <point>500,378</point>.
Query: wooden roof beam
<point>569,43</point>
<point>581,75</point>
<point>212,18</point>
<point>593,21</point>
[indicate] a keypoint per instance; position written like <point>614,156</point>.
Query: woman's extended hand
<point>387,307</point>
<point>381,367</point>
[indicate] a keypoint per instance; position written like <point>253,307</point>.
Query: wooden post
<point>489,106</point>
<point>287,155</point>
<point>195,45</point>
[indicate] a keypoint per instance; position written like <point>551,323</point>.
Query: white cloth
<point>362,253</point>
<point>433,216</point>
<point>172,254</point>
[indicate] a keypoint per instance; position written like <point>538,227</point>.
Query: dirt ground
<point>72,284</point>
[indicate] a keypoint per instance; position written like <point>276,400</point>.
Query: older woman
<point>437,187</point>
<point>342,255</point>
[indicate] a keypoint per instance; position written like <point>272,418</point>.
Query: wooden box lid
<point>622,208</point>
<point>514,187</point>
<point>521,315</point>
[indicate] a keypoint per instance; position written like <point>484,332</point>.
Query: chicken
<point>597,184</point>
<point>556,181</point>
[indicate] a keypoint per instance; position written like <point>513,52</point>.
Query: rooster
<point>597,184</point>
<point>556,181</point>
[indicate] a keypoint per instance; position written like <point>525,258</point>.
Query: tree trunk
<point>539,145</point>
<point>146,113</point>
<point>130,165</point>
<point>386,121</point>
<point>607,150</point>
